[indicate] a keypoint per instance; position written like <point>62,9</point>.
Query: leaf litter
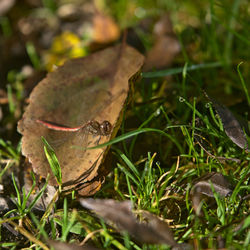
<point>201,140</point>
<point>155,231</point>
<point>166,45</point>
<point>85,137</point>
<point>93,88</point>
<point>203,187</point>
<point>231,125</point>
<point>58,245</point>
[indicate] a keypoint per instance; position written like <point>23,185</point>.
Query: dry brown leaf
<point>155,231</point>
<point>105,30</point>
<point>201,140</point>
<point>203,188</point>
<point>231,125</point>
<point>57,245</point>
<point>5,6</point>
<point>165,48</point>
<point>83,89</point>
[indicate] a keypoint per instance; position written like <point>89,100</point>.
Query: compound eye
<point>106,128</point>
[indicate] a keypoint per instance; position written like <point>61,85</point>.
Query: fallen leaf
<point>105,30</point>
<point>203,187</point>
<point>93,88</point>
<point>231,125</point>
<point>165,48</point>
<point>57,245</point>
<point>5,6</point>
<point>155,231</point>
<point>200,139</point>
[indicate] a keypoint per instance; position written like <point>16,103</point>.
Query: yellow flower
<point>65,46</point>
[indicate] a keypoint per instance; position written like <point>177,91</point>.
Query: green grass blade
<point>10,99</point>
<point>19,200</point>
<point>8,147</point>
<point>39,195</point>
<point>53,161</point>
<point>126,136</point>
<point>134,133</point>
<point>39,226</point>
<point>130,164</point>
<point>173,71</point>
<point>8,165</point>
<point>127,173</point>
<point>33,55</point>
<point>239,183</point>
<point>243,83</point>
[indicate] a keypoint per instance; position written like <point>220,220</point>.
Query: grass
<point>156,157</point>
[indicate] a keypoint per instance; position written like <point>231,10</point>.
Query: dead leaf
<point>155,231</point>
<point>57,245</point>
<point>165,48</point>
<point>5,6</point>
<point>203,187</point>
<point>105,30</point>
<point>201,140</point>
<point>93,88</point>
<point>231,125</point>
